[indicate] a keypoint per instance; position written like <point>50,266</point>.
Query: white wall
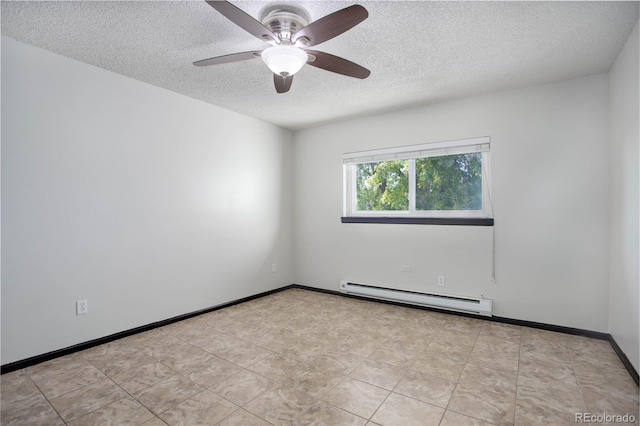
<point>146,203</point>
<point>624,138</point>
<point>131,196</point>
<point>550,196</point>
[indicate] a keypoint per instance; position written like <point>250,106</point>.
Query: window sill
<point>460,221</point>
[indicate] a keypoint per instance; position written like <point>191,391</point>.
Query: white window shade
<point>435,149</point>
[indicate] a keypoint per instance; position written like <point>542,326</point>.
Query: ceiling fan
<point>290,35</point>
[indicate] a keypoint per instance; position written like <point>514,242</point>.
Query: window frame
<point>411,153</point>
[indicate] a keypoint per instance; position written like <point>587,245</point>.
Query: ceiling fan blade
<point>282,84</point>
<point>337,64</point>
<point>331,25</point>
<point>225,59</point>
<point>244,20</point>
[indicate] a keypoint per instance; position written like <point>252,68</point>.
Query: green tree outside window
<point>450,182</point>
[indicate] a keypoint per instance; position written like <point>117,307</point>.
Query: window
<point>443,180</point>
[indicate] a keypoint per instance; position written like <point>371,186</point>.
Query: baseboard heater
<point>468,305</point>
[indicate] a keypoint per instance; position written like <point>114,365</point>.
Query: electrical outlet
<point>406,268</point>
<point>274,267</point>
<point>440,280</point>
<point>82,307</point>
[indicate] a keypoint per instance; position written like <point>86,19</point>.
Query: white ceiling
<point>418,52</point>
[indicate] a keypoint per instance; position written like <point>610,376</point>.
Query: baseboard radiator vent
<point>468,305</point>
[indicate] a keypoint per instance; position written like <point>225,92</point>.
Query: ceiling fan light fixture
<point>286,28</point>
<point>284,60</point>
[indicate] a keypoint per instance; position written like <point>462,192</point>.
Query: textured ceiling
<point>418,52</point>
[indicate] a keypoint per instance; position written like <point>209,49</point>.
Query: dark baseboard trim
<point>28,362</point>
<point>542,326</point>
<point>551,327</point>
<point>531,324</point>
<point>623,357</point>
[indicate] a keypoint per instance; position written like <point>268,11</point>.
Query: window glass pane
<point>450,182</point>
<point>383,185</point>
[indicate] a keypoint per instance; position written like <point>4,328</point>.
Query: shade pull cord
<point>493,233</point>
<point>493,255</point>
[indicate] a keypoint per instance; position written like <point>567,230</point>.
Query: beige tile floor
<point>300,357</point>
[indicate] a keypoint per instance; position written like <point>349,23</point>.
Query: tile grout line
<point>240,407</point>
<point>466,362</point>
<point>106,377</point>
<point>43,395</point>
<point>573,369</point>
<point>160,381</point>
<point>515,406</point>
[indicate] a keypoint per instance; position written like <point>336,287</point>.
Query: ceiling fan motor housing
<point>284,22</point>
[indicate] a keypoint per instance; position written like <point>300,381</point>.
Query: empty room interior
<point>304,212</point>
